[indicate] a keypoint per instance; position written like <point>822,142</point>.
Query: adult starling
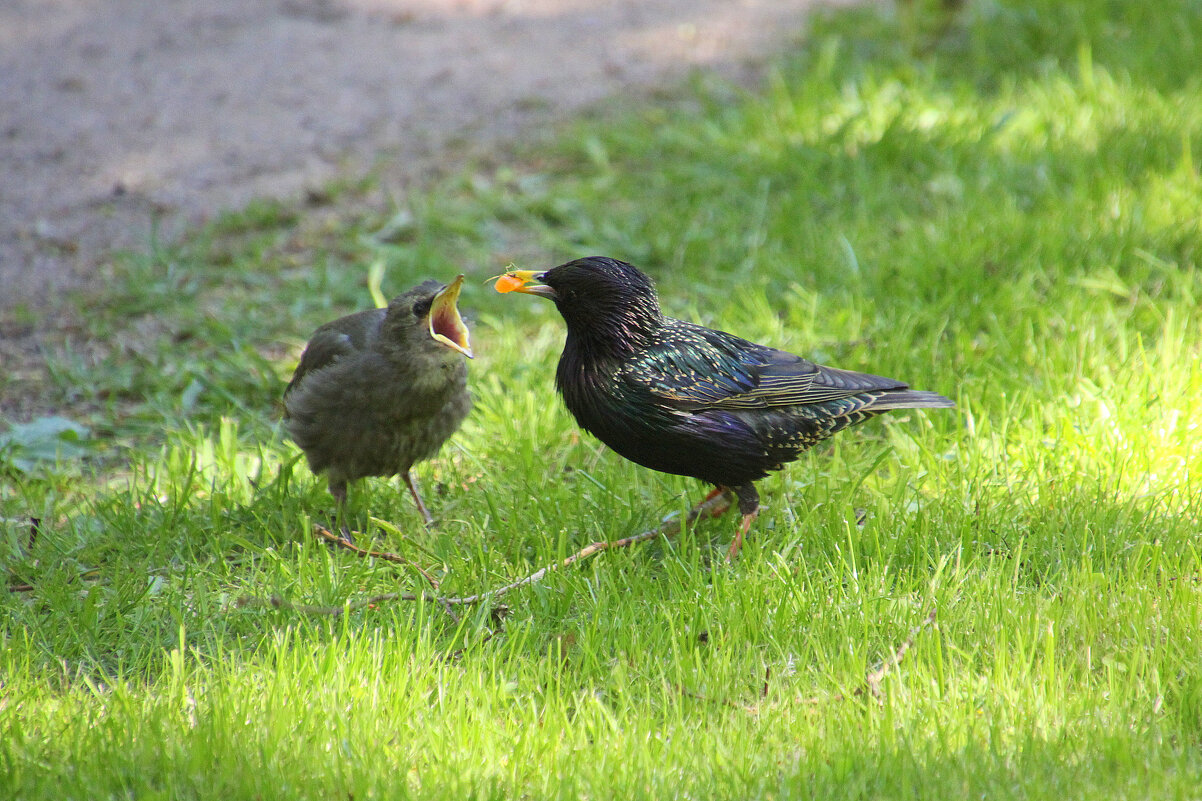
<point>681,398</point>
<point>379,390</point>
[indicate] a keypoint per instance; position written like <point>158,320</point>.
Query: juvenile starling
<point>680,398</point>
<point>379,390</point>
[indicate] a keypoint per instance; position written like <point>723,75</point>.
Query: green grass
<point>1005,208</point>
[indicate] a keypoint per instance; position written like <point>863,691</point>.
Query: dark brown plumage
<point>681,398</point>
<point>377,391</point>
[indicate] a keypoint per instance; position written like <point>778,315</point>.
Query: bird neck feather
<point>613,333</point>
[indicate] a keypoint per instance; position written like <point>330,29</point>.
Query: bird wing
<point>335,340</point>
<point>691,368</point>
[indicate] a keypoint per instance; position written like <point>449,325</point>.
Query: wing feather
<point>695,368</point>
<point>335,340</point>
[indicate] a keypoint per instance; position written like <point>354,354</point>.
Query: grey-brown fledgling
<point>377,391</point>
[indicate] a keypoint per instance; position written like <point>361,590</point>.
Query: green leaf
<point>46,440</point>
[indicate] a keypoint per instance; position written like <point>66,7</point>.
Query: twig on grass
<point>325,534</point>
<point>874,677</point>
<point>669,527</point>
<point>712,506</point>
<point>276,602</point>
<point>872,682</point>
<point>342,542</point>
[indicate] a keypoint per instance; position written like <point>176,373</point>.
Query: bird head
<point>600,298</point>
<point>429,313</point>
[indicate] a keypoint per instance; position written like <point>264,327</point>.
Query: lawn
<point>999,601</point>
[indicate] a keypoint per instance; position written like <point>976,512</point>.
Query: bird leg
<point>749,505</point>
<point>421,507</point>
<point>718,510</point>
<point>338,490</point>
<point>742,532</point>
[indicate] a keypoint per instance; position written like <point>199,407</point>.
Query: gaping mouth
<point>446,326</point>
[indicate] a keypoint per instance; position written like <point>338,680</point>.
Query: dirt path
<point>114,113</point>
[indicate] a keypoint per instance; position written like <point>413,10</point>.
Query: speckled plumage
<point>374,393</point>
<point>681,398</point>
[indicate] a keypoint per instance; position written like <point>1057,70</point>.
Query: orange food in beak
<point>508,283</point>
<point>523,281</point>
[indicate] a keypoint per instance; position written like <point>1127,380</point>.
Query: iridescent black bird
<point>381,389</point>
<point>680,398</point>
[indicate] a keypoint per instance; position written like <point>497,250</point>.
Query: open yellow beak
<point>446,326</point>
<point>517,281</point>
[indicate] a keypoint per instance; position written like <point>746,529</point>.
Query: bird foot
<point>737,545</point>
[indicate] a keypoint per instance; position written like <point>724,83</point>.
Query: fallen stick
<point>276,602</point>
<point>713,506</point>
<point>344,543</point>
<point>872,680</point>
<point>325,534</point>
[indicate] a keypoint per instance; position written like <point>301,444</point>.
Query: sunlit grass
<point>1008,212</point>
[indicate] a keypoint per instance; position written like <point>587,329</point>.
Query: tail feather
<point>911,399</point>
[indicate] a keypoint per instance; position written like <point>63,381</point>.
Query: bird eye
<point>422,307</point>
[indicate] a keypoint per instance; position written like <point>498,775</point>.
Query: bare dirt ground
<point>114,113</point>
